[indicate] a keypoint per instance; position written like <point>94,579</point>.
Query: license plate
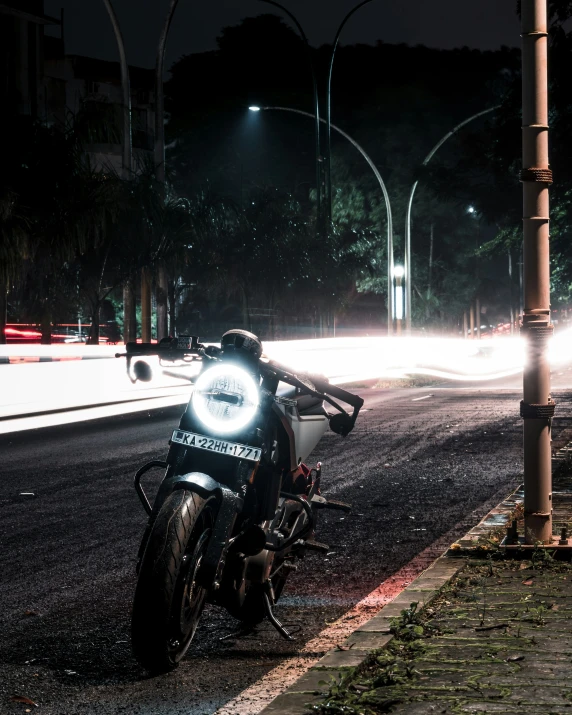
<point>232,449</point>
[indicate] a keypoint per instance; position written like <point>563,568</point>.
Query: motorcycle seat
<point>307,404</point>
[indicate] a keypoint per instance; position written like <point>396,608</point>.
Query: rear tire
<point>168,601</point>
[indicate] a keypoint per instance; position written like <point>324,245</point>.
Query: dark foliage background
<point>237,226</point>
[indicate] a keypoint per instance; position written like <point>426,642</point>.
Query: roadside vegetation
<point>471,648</point>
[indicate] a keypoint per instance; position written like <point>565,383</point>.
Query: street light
<point>129,319</point>
<point>373,167</point>
<point>329,108</point>
<point>327,152</point>
<point>408,215</point>
<point>398,273</point>
<point>316,115</point>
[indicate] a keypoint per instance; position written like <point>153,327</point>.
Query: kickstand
<point>284,632</point>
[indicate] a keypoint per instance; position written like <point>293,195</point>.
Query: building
<point>88,91</point>
<point>22,24</point>
<point>39,80</point>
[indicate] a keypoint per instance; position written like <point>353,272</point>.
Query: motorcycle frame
<point>228,496</point>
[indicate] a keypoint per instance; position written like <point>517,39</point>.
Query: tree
<point>52,198</point>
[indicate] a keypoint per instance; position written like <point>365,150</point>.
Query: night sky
<point>484,24</point>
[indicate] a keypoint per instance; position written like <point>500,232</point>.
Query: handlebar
<point>188,346</point>
<point>185,344</point>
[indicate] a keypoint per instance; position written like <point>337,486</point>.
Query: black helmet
<point>241,341</point>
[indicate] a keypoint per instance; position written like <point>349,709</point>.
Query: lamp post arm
<point>316,114</point>
<point>455,130</point>
<point>410,205</point>
<point>127,138</point>
<point>159,148</point>
<point>379,178</point>
<point>354,143</point>
<point>329,108</point>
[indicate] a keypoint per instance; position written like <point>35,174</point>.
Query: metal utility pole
<point>328,187</point>
<point>160,173</point>
<point>320,218</point>
<point>126,163</point>
<point>511,297</point>
<point>129,319</point>
<point>536,407</point>
<point>159,148</point>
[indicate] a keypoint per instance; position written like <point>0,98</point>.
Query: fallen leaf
<point>528,582</point>
<point>345,647</point>
<point>523,567</point>
<point>491,628</point>
<point>23,699</point>
<point>555,607</point>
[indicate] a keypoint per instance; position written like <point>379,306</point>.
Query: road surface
<point>421,463</point>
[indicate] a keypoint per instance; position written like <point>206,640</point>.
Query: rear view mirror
<point>341,424</point>
<point>142,371</point>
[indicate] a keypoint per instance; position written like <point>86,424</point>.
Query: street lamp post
<point>159,147</point>
<point>383,190</point>
<point>318,159</point>
<point>160,170</point>
<point>129,319</point>
<point>324,203</point>
<point>410,204</point>
<point>127,148</point>
<point>398,273</point>
<point>329,108</point>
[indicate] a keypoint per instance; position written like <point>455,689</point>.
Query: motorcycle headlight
<point>225,398</point>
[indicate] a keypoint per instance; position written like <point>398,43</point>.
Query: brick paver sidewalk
<point>500,641</point>
<point>485,634</point>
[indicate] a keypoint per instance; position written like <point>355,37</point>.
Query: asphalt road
<point>420,463</point>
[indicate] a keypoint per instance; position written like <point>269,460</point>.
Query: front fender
<point>204,485</point>
<point>230,505</point>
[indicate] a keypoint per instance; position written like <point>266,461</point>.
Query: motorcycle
<point>237,505</point>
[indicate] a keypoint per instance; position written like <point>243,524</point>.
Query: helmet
<point>241,341</point>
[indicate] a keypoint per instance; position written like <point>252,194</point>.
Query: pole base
<point>555,543</point>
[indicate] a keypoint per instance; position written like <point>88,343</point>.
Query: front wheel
<point>168,599</point>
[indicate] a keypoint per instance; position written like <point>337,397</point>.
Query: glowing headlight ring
<point>245,413</point>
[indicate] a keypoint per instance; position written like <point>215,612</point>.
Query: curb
<point>375,633</point>
<point>372,635</point>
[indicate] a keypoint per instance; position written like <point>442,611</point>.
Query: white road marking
<point>425,397</point>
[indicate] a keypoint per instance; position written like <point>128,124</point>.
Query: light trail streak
<point>29,388</point>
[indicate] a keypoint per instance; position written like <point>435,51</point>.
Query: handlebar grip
<point>337,392</point>
<point>142,348</point>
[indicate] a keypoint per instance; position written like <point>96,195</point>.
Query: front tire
<point>168,600</point>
